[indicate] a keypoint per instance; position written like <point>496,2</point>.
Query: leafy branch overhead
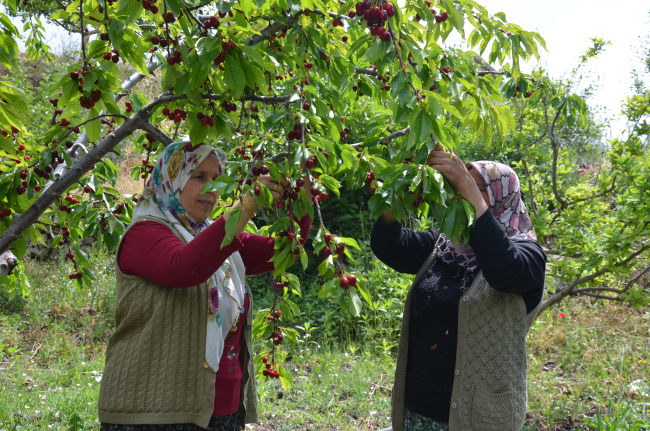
<point>341,94</point>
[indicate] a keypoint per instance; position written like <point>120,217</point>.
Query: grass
<point>52,355</point>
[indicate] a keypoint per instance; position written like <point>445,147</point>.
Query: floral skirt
<point>416,422</point>
<point>217,423</point>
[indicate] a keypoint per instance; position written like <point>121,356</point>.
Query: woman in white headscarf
<point>181,355</point>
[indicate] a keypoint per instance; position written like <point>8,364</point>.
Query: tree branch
<point>81,26</point>
<point>595,295</point>
<point>561,294</point>
<point>73,175</point>
<point>556,150</point>
<point>158,134</point>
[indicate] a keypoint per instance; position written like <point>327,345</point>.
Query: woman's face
<point>196,205</point>
<point>478,179</point>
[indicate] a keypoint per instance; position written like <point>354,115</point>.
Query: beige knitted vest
<point>489,392</point>
<point>155,370</point>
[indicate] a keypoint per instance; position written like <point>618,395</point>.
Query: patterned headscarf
<point>508,208</point>
<point>161,200</point>
<point>174,168</point>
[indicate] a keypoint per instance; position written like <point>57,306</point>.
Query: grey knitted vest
<point>489,392</point>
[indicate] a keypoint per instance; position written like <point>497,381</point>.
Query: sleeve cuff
<point>486,230</point>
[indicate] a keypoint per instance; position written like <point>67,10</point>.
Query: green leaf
<point>231,226</point>
<point>329,289</point>
<point>354,304</point>
<point>285,378</point>
<point>76,424</point>
<point>19,247</point>
<point>94,128</point>
<point>234,76</point>
<point>304,260</point>
<point>174,6</point>
<point>421,126</point>
<point>375,52</point>
<point>350,242</point>
<point>331,183</point>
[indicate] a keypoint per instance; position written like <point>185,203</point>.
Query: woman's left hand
<point>453,168</point>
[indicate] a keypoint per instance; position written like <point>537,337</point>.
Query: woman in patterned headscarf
<point>181,355</point>
<point>462,358</point>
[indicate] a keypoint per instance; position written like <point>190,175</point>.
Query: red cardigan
<point>150,250</point>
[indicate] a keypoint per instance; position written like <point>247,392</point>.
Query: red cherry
<point>265,359</point>
<point>344,282</point>
<point>327,237</point>
<point>72,276</point>
<point>23,175</point>
<point>107,56</point>
<point>353,280</point>
<point>278,313</point>
<point>327,251</point>
<point>69,256</point>
<point>309,163</point>
<point>344,39</point>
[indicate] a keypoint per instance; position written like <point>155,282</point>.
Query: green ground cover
<point>580,357</point>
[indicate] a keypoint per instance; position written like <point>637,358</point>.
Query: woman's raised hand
<point>453,168</point>
<point>276,188</point>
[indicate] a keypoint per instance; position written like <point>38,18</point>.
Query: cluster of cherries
<point>254,109</point>
<point>212,22</point>
<point>420,199</point>
<point>348,281</point>
<point>206,120</point>
<point>147,5</point>
<point>170,18</point>
<point>527,95</point>
<point>177,115</point>
<point>228,106</point>
<point>294,133</point>
<point>70,256</point>
<point>89,102</point>
<point>375,17</point>
<point>71,201</point>
<point>439,18</point>
<point>339,249</point>
<point>175,58</point>
<point>245,156</point>
<point>369,179</point>
<point>14,131</point>
<point>344,132</point>
<point>113,55</point>
<point>164,43</point>
<point>268,372</point>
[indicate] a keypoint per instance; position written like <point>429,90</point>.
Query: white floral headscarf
<point>161,199</point>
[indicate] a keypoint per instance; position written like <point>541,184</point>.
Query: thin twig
<point>81,19</point>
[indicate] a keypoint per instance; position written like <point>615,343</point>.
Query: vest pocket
<point>492,412</point>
